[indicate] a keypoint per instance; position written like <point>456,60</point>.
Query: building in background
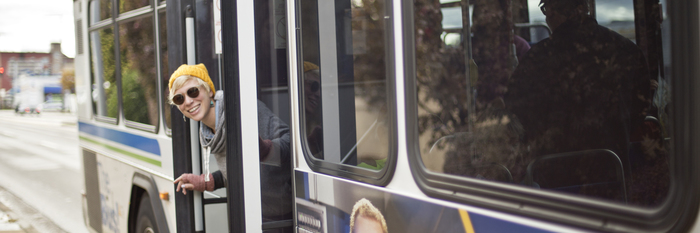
<point>16,64</point>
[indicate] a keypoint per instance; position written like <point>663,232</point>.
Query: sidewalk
<point>8,224</point>
<point>18,217</point>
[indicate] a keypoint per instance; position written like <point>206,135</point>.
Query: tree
<point>68,80</point>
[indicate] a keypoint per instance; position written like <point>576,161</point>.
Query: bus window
<point>138,72</point>
<point>346,110</point>
<point>104,87</point>
<point>452,24</point>
<point>164,68</point>
<point>273,114</point>
<point>570,114</point>
<point>128,5</point>
<point>100,10</point>
<point>618,15</point>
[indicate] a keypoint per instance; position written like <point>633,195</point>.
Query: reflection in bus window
<point>273,113</point>
<point>138,71</point>
<point>572,114</point>
<point>100,10</point>
<point>104,85</point>
<point>164,77</point>
<point>127,5</point>
<point>345,81</point>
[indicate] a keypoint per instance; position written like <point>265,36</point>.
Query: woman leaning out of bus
<point>192,91</point>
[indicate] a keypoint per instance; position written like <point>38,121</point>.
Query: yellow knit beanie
<point>309,66</point>
<point>199,71</point>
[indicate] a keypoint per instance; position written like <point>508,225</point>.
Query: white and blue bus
<point>407,105</point>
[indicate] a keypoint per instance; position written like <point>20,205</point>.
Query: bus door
<point>192,40</point>
<point>242,44</point>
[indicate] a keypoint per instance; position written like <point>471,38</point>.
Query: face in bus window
<point>312,91</point>
<point>195,108</point>
<point>556,13</point>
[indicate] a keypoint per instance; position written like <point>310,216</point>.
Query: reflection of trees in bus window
<point>127,5</point>
<point>100,10</point>
<point>103,72</point>
<point>467,129</point>
<point>354,67</point>
<point>440,77</point>
<point>164,69</point>
<point>138,71</point>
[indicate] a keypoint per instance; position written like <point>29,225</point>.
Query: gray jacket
<point>275,180</point>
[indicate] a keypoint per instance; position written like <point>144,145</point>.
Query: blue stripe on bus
<point>306,186</point>
<point>139,142</point>
<point>483,223</point>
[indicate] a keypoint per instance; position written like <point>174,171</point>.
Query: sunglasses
<point>543,9</point>
<point>315,86</point>
<point>193,92</point>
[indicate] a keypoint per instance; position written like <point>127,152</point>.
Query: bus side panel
<point>111,178</point>
<point>92,192</point>
<point>116,181</point>
<point>325,204</point>
<point>115,193</point>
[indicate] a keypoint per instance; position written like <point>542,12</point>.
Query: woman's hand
<point>265,147</point>
<point>189,181</point>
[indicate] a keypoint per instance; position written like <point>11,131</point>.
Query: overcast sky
<point>32,25</point>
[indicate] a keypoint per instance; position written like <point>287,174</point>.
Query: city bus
<point>413,116</point>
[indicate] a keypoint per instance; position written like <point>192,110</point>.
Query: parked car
<point>27,109</point>
<point>51,105</point>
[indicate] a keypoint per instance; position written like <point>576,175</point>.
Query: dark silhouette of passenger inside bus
<point>312,108</point>
<point>584,87</point>
<point>192,91</point>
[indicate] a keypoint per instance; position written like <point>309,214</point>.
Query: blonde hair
<point>364,207</point>
<point>199,71</point>
<point>309,66</point>
<point>180,81</point>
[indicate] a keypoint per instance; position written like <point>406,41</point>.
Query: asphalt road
<point>40,164</point>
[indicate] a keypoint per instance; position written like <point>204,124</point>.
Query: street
<point>40,164</point>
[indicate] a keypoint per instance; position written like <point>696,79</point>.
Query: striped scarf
<point>217,144</point>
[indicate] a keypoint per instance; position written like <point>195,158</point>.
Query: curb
<point>7,223</point>
<point>27,218</point>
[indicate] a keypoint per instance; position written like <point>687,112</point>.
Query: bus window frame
<point>92,28</point>
<point>114,22</point>
<point>381,177</point>
<point>133,15</point>
<point>126,18</point>
<point>676,213</point>
<point>162,102</point>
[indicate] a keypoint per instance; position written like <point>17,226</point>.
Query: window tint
<point>102,68</point>
<point>571,114</point>
<point>345,82</point>
<point>138,71</point>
